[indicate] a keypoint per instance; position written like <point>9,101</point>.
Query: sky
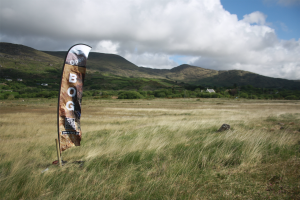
<point>260,36</point>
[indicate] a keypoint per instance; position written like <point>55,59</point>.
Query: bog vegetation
<point>153,149</point>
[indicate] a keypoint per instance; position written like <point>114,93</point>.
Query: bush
<point>204,95</point>
<point>44,94</point>
<point>176,95</point>
<point>144,93</point>
<point>87,94</point>
<point>10,97</point>
<point>130,95</point>
<point>151,97</point>
<point>96,93</point>
<point>215,95</point>
<point>244,95</point>
<point>291,97</point>
<point>160,94</point>
<point>150,93</point>
<point>5,95</point>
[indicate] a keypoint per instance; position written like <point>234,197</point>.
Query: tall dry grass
<point>158,149</point>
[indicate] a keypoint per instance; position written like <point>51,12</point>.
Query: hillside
<point>239,77</point>
<point>114,64</point>
<point>18,61</point>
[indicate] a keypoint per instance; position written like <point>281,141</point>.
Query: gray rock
<point>224,127</point>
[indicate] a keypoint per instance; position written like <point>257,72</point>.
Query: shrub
<point>176,95</point>
<point>204,95</point>
<point>291,97</point>
<point>96,93</point>
<point>10,97</point>
<point>87,93</point>
<point>215,95</point>
<point>151,97</point>
<point>160,94</point>
<point>130,95</point>
<point>253,97</point>
<point>144,93</point>
<point>244,95</point>
<point>23,96</point>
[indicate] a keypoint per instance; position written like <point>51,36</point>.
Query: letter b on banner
<point>72,78</point>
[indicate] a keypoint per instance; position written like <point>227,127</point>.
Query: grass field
<point>153,149</point>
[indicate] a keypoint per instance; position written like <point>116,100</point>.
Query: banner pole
<point>58,152</point>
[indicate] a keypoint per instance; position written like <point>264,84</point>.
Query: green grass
<point>159,149</point>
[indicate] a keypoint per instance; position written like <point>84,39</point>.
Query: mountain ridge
<point>21,59</point>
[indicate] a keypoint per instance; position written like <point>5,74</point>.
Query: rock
<point>281,124</point>
<point>224,127</point>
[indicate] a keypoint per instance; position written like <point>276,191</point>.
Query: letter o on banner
<point>71,92</point>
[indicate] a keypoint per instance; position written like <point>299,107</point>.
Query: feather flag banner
<point>70,96</point>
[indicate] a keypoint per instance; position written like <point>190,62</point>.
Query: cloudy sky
<point>261,36</point>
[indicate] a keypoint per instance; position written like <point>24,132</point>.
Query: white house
<point>210,90</point>
<point>44,84</point>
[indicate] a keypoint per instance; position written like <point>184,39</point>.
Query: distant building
<point>210,90</point>
<point>44,84</point>
<point>8,79</point>
<point>19,79</point>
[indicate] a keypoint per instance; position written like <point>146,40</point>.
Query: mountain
<point>113,64</point>
<point>22,61</point>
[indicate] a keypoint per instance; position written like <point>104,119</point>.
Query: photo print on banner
<point>70,96</point>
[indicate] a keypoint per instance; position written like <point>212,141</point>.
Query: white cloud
<point>255,17</point>
<point>151,60</point>
<point>151,32</point>
<point>107,46</point>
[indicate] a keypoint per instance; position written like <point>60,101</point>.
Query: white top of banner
<point>81,49</point>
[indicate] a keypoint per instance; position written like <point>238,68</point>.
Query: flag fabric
<point>70,96</point>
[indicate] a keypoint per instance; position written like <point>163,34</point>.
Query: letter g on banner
<point>70,105</point>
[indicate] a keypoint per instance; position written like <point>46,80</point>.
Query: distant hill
<point>18,60</point>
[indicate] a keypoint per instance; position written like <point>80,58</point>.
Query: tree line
<point>13,89</point>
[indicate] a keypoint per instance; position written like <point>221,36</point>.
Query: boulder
<point>224,127</point>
